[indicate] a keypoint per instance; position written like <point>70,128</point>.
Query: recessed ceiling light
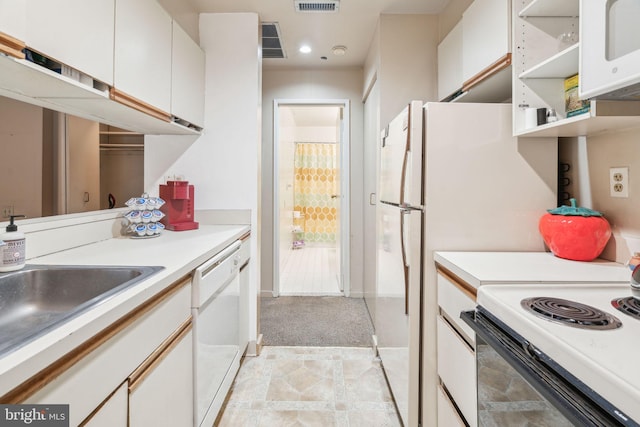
<point>339,50</point>
<point>305,49</point>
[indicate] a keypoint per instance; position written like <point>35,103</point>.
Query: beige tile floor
<point>310,386</point>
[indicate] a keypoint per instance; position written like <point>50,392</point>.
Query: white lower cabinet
<point>447,414</point>
<point>161,394</point>
<point>457,370</point>
<point>113,412</point>
<point>456,358</point>
<point>91,374</point>
<point>245,249</point>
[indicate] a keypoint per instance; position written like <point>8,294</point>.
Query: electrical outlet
<point>7,211</point>
<point>619,182</point>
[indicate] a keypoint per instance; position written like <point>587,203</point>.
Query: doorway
<point>311,157</point>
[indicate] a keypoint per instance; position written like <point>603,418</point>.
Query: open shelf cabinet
<point>546,52</point>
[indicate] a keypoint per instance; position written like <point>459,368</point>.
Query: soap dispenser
<point>12,247</point>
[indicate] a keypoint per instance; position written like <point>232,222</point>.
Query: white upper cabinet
<point>13,16</point>
<point>103,60</point>
<point>142,62</point>
<point>547,51</point>
<point>187,78</point>
<point>486,35</point>
<point>77,33</point>
<point>450,63</point>
<point>474,59</point>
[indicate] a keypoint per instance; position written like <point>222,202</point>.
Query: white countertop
<point>481,268</point>
<point>179,252</point>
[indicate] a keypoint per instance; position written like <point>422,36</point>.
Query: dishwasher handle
<point>206,268</point>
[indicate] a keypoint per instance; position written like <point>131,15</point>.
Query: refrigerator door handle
<point>406,170</point>
<point>405,258</point>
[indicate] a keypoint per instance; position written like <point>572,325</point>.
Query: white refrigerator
<point>451,177</point>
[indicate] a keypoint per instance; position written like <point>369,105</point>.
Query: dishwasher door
<point>216,308</point>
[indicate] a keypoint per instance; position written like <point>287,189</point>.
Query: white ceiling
<point>352,26</point>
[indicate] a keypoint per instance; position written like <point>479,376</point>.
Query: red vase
<point>579,238</point>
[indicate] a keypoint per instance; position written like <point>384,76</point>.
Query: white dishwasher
<point>215,306</point>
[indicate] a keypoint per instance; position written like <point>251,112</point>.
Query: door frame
<point>345,196</point>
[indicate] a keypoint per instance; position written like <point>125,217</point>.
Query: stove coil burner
<point>628,305</point>
<point>570,313</point>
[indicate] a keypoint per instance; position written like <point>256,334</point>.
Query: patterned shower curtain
<point>315,187</point>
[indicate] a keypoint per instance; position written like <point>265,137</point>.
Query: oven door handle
<point>531,351</point>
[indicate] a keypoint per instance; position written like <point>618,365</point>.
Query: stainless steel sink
<point>39,298</point>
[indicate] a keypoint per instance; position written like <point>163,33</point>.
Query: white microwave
<point>610,49</point>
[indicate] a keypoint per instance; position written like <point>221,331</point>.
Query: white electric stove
<point>606,359</point>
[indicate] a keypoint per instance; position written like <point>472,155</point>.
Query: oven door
<point>520,385</point>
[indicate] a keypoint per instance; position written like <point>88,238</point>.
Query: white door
<point>311,220</point>
<point>338,206</point>
<point>83,166</point>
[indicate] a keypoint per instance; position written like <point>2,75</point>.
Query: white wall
<point>185,15</point>
<point>324,134</point>
<point>403,57</point>
<point>223,163</point>
<point>313,85</point>
<point>604,151</point>
<point>450,16</point>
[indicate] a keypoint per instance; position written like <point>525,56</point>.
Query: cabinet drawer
<point>457,370</point>
<point>447,414</point>
<point>102,370</point>
<point>453,301</point>
<point>112,412</point>
<point>162,393</point>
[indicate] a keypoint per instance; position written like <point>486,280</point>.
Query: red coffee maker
<point>178,206</point>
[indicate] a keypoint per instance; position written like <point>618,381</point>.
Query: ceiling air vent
<point>271,46</point>
<point>308,6</point>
